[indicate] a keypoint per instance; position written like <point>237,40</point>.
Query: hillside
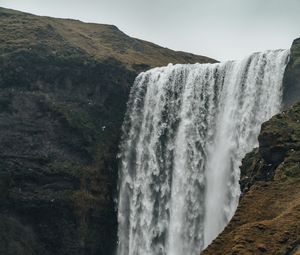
<point>267,220</point>
<point>64,85</point>
<point>25,32</point>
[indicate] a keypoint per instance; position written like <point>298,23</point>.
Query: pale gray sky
<point>221,29</point>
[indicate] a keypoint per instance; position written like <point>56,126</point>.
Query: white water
<point>186,131</point>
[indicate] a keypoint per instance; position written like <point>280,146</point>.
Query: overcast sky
<point>222,29</point>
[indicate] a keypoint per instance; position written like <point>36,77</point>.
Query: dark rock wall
<point>64,85</point>
<point>279,141</point>
<point>291,80</point>
<point>60,122</point>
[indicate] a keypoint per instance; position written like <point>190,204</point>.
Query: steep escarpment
<point>64,86</point>
<point>267,220</point>
<point>291,81</point>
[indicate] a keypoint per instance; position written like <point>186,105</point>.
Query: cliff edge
<point>64,85</point>
<point>267,220</point>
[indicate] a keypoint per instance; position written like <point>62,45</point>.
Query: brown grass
<point>97,40</point>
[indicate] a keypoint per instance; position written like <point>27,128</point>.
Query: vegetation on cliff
<point>268,215</point>
<point>65,37</point>
<point>64,85</point>
<point>267,220</point>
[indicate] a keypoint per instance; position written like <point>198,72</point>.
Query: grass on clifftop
<point>99,41</point>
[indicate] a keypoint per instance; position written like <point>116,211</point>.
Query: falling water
<point>185,133</point>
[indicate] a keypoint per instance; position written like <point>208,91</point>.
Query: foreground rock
<point>63,91</point>
<point>267,220</point>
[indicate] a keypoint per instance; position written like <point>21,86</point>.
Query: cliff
<point>64,85</point>
<point>267,220</point>
<point>291,80</point>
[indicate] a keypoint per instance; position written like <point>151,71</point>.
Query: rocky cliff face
<point>63,91</point>
<point>267,220</point>
<point>291,81</point>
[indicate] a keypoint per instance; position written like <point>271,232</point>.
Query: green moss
<point>84,200</point>
<point>292,171</point>
<point>248,161</point>
<point>291,167</point>
<point>78,120</point>
<point>65,196</point>
<point>69,168</point>
<point>81,121</point>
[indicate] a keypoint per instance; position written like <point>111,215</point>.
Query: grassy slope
<point>98,41</point>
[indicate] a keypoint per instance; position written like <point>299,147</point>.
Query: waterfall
<point>185,133</point>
